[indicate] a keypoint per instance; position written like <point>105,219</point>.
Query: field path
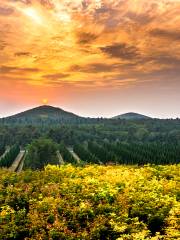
<point>61,161</point>
<point>21,165</point>
<point>75,156</point>
<point>17,161</point>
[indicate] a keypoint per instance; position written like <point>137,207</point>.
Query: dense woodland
<point>138,131</point>
<point>9,157</point>
<point>112,141</point>
<point>117,188</point>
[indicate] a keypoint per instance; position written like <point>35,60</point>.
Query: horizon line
<point>58,107</point>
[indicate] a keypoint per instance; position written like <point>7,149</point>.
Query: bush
<point>90,203</point>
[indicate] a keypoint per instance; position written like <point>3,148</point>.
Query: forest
<point>115,141</point>
<point>108,180</point>
<point>138,131</point>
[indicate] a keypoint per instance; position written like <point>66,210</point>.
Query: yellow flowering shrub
<point>91,202</point>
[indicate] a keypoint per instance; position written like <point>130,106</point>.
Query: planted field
<point>124,153</point>
<point>94,202</point>
<point>145,153</point>
<point>9,157</point>
<point>85,154</point>
<point>66,154</point>
<point>45,151</point>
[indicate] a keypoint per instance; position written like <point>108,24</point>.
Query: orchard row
<point>44,151</point>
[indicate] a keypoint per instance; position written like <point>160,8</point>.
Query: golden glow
<point>45,101</point>
<point>88,44</point>
<point>64,17</point>
<point>33,14</point>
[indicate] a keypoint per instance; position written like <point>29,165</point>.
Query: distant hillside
<point>131,116</point>
<point>46,114</point>
<point>52,115</point>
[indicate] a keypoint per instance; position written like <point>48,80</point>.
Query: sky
<point>91,57</point>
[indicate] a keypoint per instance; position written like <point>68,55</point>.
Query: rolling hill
<point>131,116</point>
<point>45,113</point>
<point>52,115</point>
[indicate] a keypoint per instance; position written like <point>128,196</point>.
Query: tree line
<point>9,157</point>
<point>131,131</point>
<point>2,149</point>
<point>85,155</point>
<point>66,155</point>
<point>131,153</point>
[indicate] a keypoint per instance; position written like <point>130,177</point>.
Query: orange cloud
<point>94,43</point>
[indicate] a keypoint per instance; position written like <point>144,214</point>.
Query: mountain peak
<point>43,113</point>
<point>131,116</point>
<point>46,108</point>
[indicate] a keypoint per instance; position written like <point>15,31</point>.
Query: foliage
<point>102,153</point>
<point>2,149</point>
<point>85,155</point>
<point>8,159</point>
<point>91,203</point>
<point>66,155</point>
<point>140,154</point>
<point>128,131</point>
<point>40,153</point>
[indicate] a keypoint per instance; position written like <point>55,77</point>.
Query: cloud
<point>86,37</point>
<point>14,79</point>
<point>94,68</point>
<point>166,34</point>
<point>22,54</point>
<point>168,60</point>
<point>23,1</point>
<point>163,75</point>
<point>70,83</point>
<point>8,69</point>
<point>6,11</point>
<point>56,76</point>
<point>121,50</point>
<point>166,73</point>
<point>84,40</point>
<point>140,18</point>
<point>2,45</point>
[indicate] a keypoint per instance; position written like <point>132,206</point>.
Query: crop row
<point>43,152</point>
<point>122,153</point>
<point>66,155</point>
<point>2,150</point>
<point>8,159</point>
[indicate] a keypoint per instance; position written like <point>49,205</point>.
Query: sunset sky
<point>91,57</point>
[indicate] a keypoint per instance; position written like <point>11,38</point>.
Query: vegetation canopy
<point>94,202</point>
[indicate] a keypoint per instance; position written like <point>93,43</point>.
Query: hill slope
<point>131,116</point>
<point>43,114</point>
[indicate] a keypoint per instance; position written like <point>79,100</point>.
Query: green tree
<point>40,153</point>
